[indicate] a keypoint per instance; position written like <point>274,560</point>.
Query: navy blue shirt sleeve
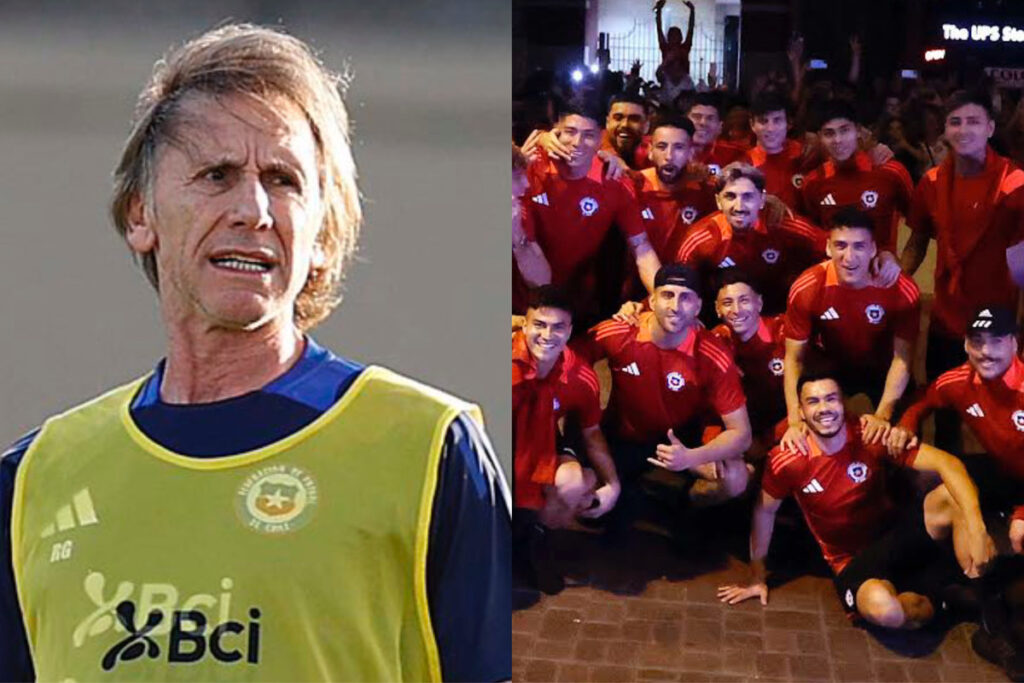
<point>15,657</point>
<point>469,558</point>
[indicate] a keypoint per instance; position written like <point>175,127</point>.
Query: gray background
<point>430,106</point>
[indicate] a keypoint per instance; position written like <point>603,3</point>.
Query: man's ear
<point>141,236</point>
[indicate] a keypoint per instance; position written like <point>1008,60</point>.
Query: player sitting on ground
<point>888,569</point>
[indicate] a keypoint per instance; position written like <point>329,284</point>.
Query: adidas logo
<point>727,263</point>
<point>976,411</point>
<point>81,508</point>
<point>631,369</point>
<point>829,200</point>
<point>830,314</point>
<point>648,214</point>
<point>541,199</point>
<point>813,487</point>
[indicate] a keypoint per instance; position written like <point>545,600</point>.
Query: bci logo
<point>154,610</point>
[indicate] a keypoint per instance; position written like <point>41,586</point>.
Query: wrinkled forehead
<point>207,127</point>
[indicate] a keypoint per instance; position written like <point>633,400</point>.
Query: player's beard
<point>673,177</point>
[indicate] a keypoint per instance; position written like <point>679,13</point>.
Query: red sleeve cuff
<point>1018,513</point>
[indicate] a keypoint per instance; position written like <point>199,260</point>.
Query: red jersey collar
<point>860,161</point>
<point>727,232</point>
<point>852,436</point>
<point>644,333</point>
<point>763,333</point>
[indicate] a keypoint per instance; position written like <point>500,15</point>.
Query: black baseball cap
<point>996,320</point>
<point>677,274</point>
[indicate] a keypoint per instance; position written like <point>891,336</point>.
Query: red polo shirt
<point>720,154</point>
<point>570,387</point>
<point>570,218</point>
<point>843,496</point>
<point>654,389</point>
<point>973,220</point>
<point>760,360</point>
<point>670,211</point>
<point>994,410</point>
<point>783,171</point>
<point>855,327</point>
<point>883,192</point>
<point>774,256</point>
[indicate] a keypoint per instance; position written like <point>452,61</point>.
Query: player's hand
<point>614,167</point>
<point>873,429</point>
<point>981,549</point>
<point>855,45</point>
<point>795,51</point>
<point>1017,536</point>
<point>606,497</point>
<point>659,5</point>
<point>635,69</point>
<point>795,439</point>
<point>532,148</point>
<point>629,313</point>
<point>885,270</point>
<point>775,211</point>
<point>673,456</point>
<point>879,154</point>
<point>548,141</point>
<point>688,4</point>
<point>733,594</point>
<point>900,439</point>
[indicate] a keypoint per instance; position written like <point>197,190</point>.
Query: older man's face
<point>236,210</point>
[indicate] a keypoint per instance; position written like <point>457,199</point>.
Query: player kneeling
<point>887,566</point>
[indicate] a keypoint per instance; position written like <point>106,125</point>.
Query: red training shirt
<point>570,387</point>
<point>783,171</point>
<point>773,255</point>
<point>654,389</point>
<point>883,192</point>
<point>973,220</point>
<point>855,327</point>
<point>720,154</point>
<point>994,410</point>
<point>843,496</point>
<point>670,212</point>
<point>570,218</point>
<point>761,361</point>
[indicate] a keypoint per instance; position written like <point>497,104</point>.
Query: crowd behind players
<point>735,262</point>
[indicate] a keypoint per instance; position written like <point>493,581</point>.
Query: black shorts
<point>906,556</point>
<point>998,492</point>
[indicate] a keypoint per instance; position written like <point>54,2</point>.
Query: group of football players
<point>747,293</point>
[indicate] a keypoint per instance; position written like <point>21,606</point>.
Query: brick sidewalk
<point>625,620</point>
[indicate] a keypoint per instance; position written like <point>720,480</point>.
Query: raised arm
<point>600,457</point>
<point>647,262</point>
<point>793,366</point>
<point>662,43</point>
<point>688,43</point>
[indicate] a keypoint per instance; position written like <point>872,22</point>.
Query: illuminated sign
<point>934,55</point>
<point>1006,77</point>
<point>983,33</point>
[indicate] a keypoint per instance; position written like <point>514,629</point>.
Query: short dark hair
<point>549,296</point>
<point>707,99</point>
<point>850,216</point>
<point>627,98</point>
<point>836,109</point>
<point>737,170</point>
<point>673,121</point>
<point>817,373</point>
<point>965,97</point>
<point>736,276</point>
<point>587,107</point>
<point>768,102</point>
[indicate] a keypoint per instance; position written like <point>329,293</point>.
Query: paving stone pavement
<point>638,611</point>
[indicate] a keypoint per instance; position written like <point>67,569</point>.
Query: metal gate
<point>641,42</point>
